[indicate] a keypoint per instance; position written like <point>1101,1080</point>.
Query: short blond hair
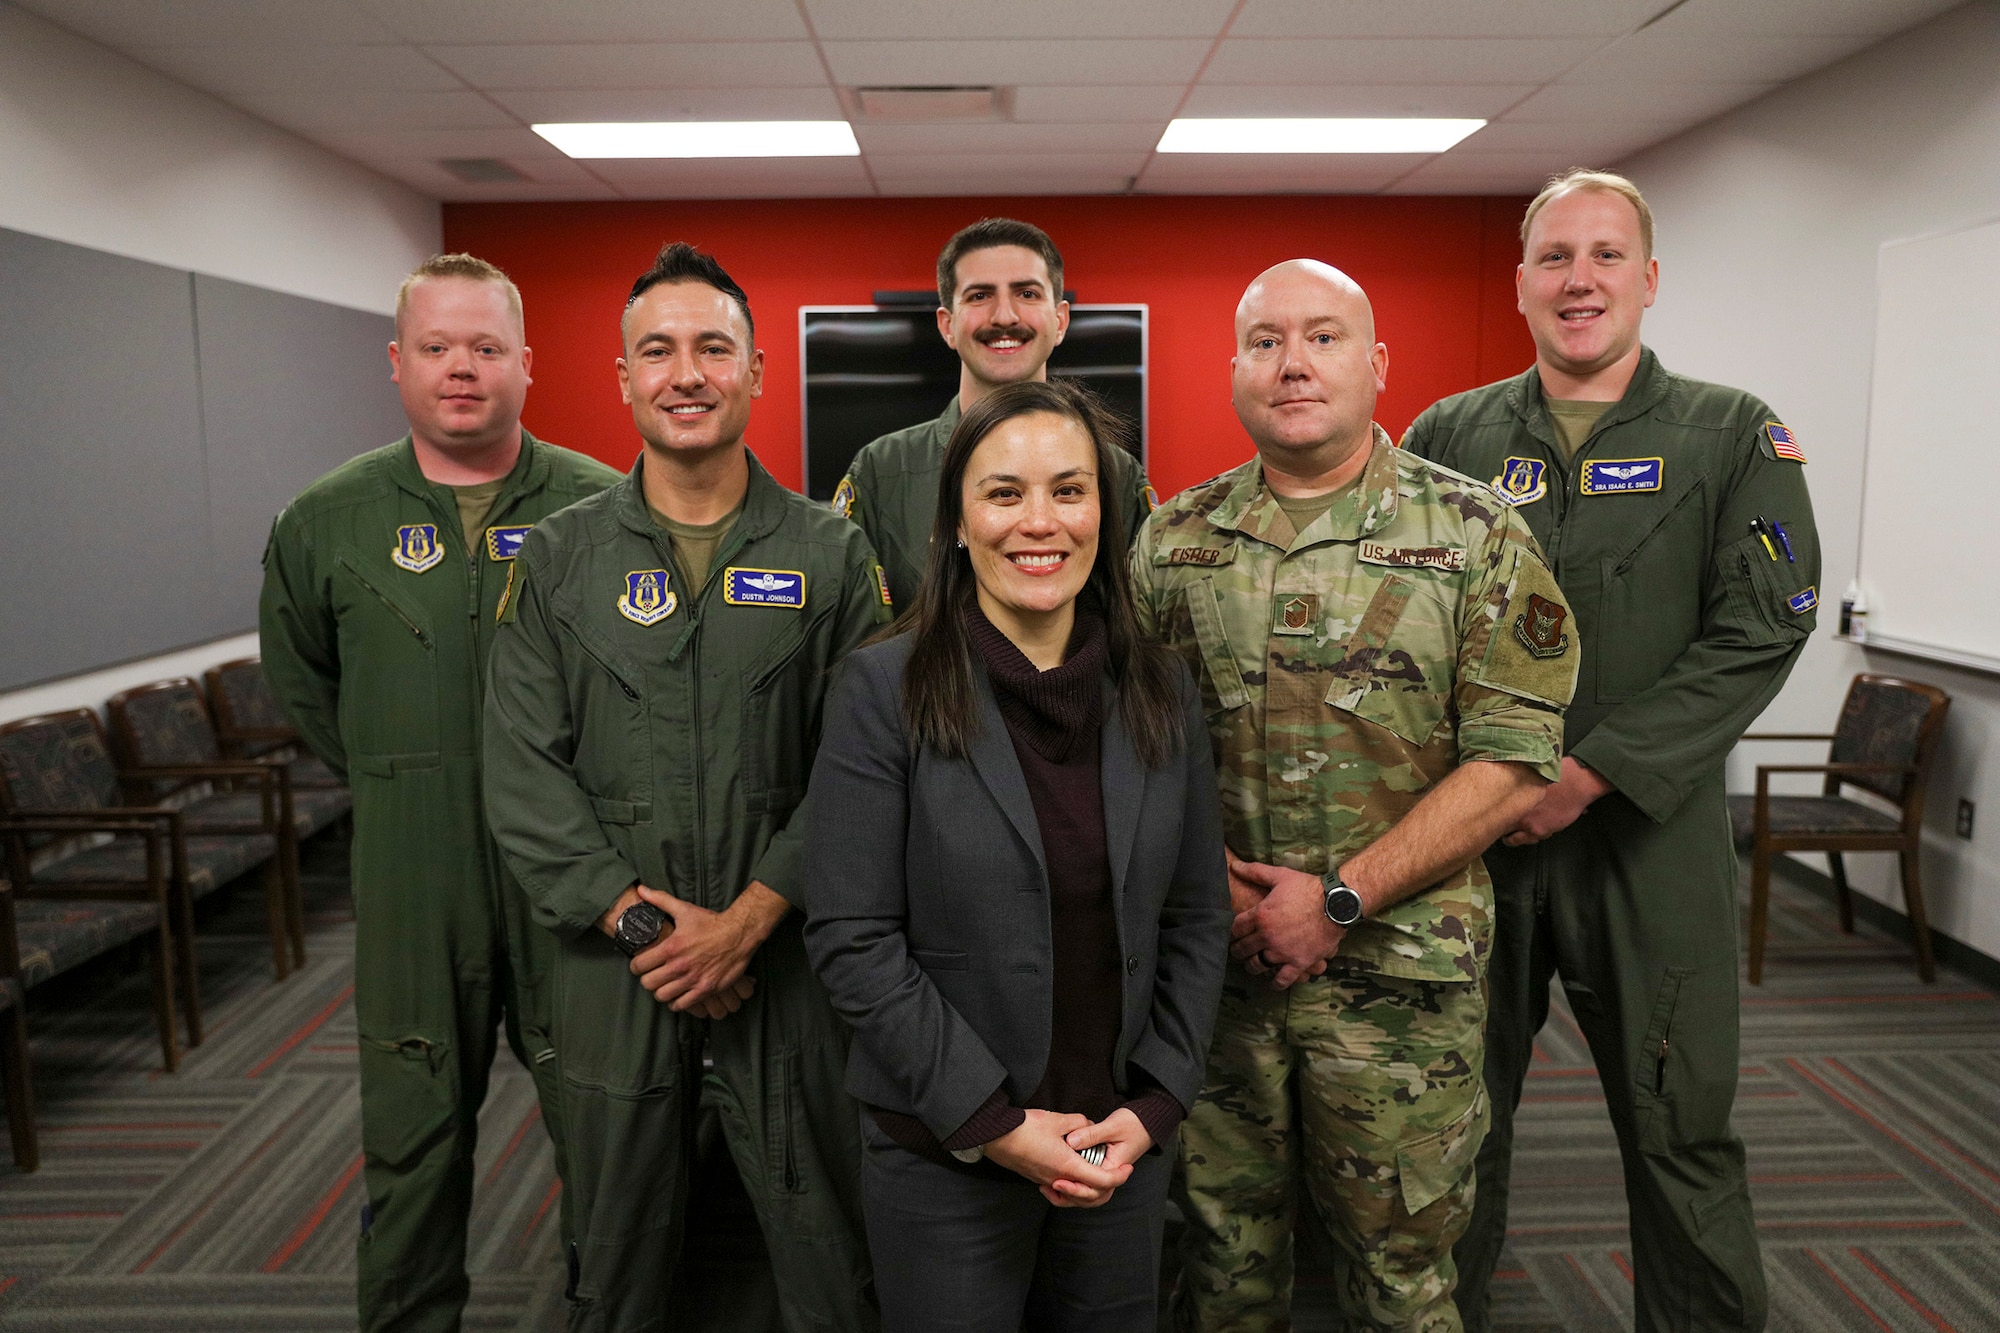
<point>470,267</point>
<point>1602,182</point>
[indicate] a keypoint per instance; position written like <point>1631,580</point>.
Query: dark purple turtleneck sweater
<point>1055,719</point>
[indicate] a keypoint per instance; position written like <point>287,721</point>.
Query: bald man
<point>1384,659</point>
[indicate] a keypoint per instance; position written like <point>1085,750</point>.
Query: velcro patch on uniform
<point>417,547</point>
<point>1616,476</point>
<point>882,585</point>
<point>1540,627</point>
<point>1802,602</point>
<point>1522,480</point>
<point>506,599</point>
<point>647,600</point>
<point>763,587</point>
<point>1195,555</point>
<point>843,498</point>
<point>505,543</point>
<point>1294,613</point>
<point>1414,557</point>
<point>1783,443</point>
<point>1152,497</point>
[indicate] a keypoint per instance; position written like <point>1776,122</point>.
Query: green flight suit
<point>377,624</point>
<point>1688,628</point>
<point>891,490</point>
<point>641,730</point>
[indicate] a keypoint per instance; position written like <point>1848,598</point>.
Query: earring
<point>961,543</point>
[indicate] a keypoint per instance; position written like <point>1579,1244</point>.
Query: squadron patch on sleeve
<point>1522,480</point>
<point>764,587</point>
<point>1618,476</point>
<point>1152,497</point>
<point>1784,444</point>
<point>647,600</point>
<point>1540,627</point>
<point>505,543</point>
<point>1804,601</point>
<point>843,498</point>
<point>417,547</point>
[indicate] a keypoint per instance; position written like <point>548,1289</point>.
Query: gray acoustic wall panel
<point>290,389</point>
<point>151,423</point>
<point>104,504</point>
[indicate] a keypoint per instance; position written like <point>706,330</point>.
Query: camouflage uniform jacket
<point>891,490</point>
<point>1347,669</point>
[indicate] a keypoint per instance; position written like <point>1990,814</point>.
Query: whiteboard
<point>1930,520</point>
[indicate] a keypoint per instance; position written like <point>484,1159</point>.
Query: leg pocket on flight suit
<point>1684,1078</point>
<point>785,1125</point>
<point>409,1095</point>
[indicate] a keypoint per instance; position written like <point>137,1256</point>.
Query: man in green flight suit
<point>1001,308</point>
<point>1676,517</point>
<point>380,584</point>
<point>1384,659</point>
<point>655,706</point>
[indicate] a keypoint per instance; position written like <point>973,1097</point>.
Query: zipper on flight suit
<point>423,636</point>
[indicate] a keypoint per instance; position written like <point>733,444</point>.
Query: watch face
<point>638,926</point>
<point>1343,905</point>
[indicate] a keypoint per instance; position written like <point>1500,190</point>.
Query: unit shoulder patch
<point>843,498</point>
<point>1450,558</point>
<point>1619,476</point>
<point>417,547</point>
<point>1782,443</point>
<point>764,587</point>
<point>647,600</point>
<point>1540,627</point>
<point>1803,601</point>
<point>1522,480</point>
<point>504,543</point>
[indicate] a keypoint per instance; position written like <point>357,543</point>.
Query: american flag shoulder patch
<point>1783,443</point>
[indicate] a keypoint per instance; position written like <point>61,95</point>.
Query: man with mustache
<point>1001,308</point>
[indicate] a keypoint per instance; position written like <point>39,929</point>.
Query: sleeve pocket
<point>1765,608</point>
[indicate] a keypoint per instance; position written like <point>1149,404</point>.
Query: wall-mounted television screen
<point>876,368</point>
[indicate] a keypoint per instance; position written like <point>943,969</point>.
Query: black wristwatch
<point>638,926</point>
<point>1343,905</point>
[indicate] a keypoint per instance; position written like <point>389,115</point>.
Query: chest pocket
<point>388,662</point>
<point>607,699</point>
<point>1221,681</point>
<point>1396,669</point>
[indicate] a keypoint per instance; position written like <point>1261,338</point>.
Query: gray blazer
<point>927,895</point>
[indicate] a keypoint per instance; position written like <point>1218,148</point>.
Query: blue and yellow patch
<point>505,543</point>
<point>417,547</point>
<point>763,587</point>
<point>1802,602</point>
<point>1522,480</point>
<point>1618,476</point>
<point>647,600</point>
<point>843,498</point>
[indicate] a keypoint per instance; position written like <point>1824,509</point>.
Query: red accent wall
<point>1439,270</point>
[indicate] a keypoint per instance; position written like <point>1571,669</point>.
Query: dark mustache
<point>1018,332</point>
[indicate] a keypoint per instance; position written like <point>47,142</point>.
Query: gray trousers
<point>977,1249</point>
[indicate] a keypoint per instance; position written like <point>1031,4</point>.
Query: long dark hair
<point>939,702</point>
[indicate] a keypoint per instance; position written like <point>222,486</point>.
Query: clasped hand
<point>1043,1148</point>
<point>698,965</point>
<point>1281,928</point>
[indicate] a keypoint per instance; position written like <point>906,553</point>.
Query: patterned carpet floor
<point>225,1197</point>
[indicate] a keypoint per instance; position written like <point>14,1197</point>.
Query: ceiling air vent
<point>480,170</point>
<point>930,104</point>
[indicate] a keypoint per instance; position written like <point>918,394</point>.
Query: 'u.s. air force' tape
<point>505,543</point>
<point>763,587</point>
<point>1616,476</point>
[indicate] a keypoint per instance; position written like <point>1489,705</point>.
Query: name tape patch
<point>1617,476</point>
<point>505,543</point>
<point>763,587</point>
<point>417,547</point>
<point>1802,602</point>
<point>1522,480</point>
<point>1414,557</point>
<point>1194,555</point>
<point>647,600</point>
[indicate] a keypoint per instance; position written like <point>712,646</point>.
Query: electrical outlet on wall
<point>1964,819</point>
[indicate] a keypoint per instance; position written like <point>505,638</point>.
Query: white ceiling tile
<point>1397,60</point>
<point>559,171</point>
<point>1522,173</point>
<point>1599,142</point>
<point>1274,173</point>
<point>356,70</point>
<point>122,24</point>
<point>1097,102</point>
<point>681,191</point>
<point>1011,166</point>
<point>942,185</point>
<point>1044,20</point>
<point>586,20</point>
<point>593,65</point>
<point>518,145</point>
<point>1798,18</point>
<point>806,174</point>
<point>316,109</point>
<point>431,179</point>
<point>1002,137</point>
<point>1087,60</point>
<point>1685,103</point>
<point>535,105</point>
<point>1660,58</point>
<point>1444,18</point>
<point>1481,100</point>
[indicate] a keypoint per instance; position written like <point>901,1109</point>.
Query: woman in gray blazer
<point>1017,896</point>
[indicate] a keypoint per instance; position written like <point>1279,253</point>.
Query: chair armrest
<point>94,824</point>
<point>221,768</point>
<point>1785,736</point>
<point>1835,768</point>
<point>257,733</point>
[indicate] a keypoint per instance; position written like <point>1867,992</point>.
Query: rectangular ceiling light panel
<point>1321,135</point>
<point>705,138</point>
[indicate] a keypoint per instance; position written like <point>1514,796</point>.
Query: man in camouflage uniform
<point>1365,626</point>
<point>1675,513</point>
<point>1001,308</point>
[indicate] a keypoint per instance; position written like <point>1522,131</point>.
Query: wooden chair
<point>1884,744</point>
<point>251,724</point>
<point>169,751</point>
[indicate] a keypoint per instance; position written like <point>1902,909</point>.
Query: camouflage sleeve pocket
<point>1531,646</point>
